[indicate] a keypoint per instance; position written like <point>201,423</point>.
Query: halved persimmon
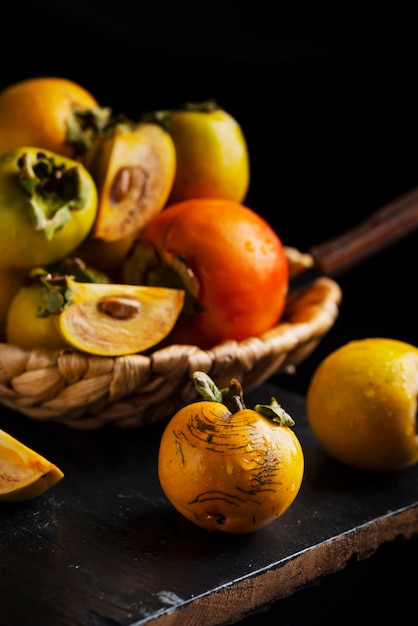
<point>133,166</point>
<point>114,320</point>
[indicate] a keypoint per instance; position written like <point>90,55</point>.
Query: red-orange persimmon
<point>228,258</point>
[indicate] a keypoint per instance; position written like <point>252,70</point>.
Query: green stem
<point>233,398</point>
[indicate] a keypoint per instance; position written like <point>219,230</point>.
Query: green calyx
<point>233,398</point>
<point>275,412</point>
<point>84,125</point>
<point>207,106</point>
<point>147,267</point>
<point>163,116</point>
<point>54,284</point>
<point>53,291</point>
<point>53,191</point>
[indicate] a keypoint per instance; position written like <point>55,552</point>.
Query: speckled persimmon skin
<point>229,472</point>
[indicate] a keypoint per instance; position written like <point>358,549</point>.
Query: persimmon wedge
<point>24,474</point>
<point>133,167</point>
<point>116,320</point>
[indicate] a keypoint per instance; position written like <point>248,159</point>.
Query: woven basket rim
<point>87,392</point>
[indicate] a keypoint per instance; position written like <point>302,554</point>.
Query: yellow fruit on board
<point>116,320</point>
<point>226,467</point>
<point>362,404</point>
<point>24,474</point>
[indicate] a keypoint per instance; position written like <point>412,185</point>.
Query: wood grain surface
<point>105,547</point>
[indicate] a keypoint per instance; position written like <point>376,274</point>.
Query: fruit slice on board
<point>24,474</point>
<point>133,168</point>
<point>116,320</point>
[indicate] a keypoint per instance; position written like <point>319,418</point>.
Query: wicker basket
<point>87,392</point>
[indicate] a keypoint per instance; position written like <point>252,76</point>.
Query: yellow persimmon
<point>362,404</point>
<point>211,152</point>
<point>228,468</point>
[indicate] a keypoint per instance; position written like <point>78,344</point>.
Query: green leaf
<point>275,412</point>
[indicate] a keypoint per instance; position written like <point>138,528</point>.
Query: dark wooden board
<point>104,547</point>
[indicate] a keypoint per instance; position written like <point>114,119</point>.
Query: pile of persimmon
<point>150,211</point>
<point>118,236</point>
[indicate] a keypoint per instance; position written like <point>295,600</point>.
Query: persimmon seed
<point>120,308</point>
<point>128,181</point>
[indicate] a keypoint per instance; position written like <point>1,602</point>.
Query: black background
<point>329,113</point>
<point>328,104</point>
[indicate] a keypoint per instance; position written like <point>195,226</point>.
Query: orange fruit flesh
<point>24,474</point>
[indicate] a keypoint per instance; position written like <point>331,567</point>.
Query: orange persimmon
<point>51,113</point>
<point>226,467</point>
<point>229,260</point>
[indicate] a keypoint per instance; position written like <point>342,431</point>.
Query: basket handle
<point>389,224</point>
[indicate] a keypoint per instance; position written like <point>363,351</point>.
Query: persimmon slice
<point>133,168</point>
<point>116,320</point>
<point>24,474</point>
